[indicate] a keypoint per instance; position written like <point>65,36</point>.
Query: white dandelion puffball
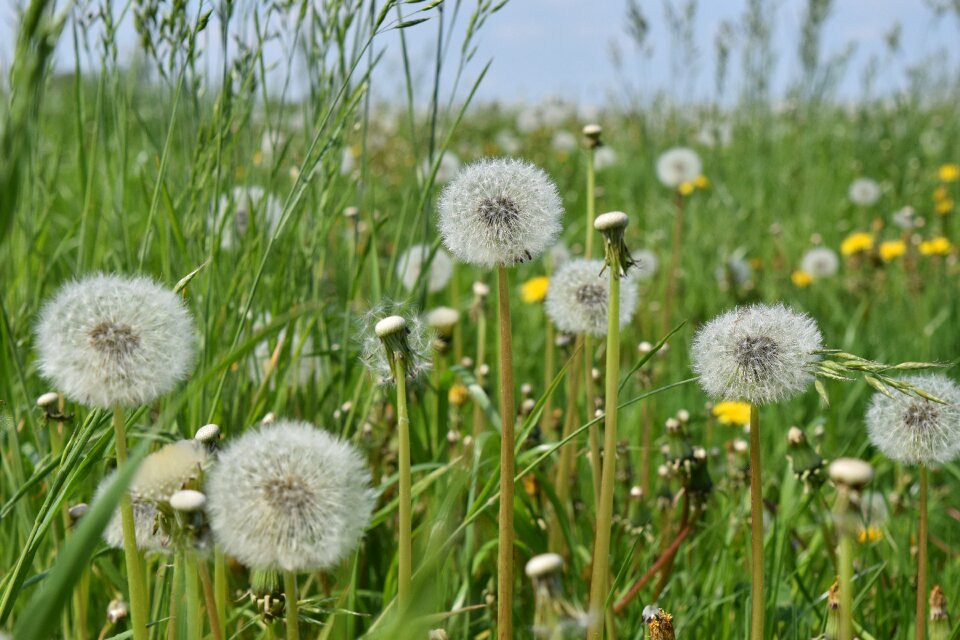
<point>289,496</point>
<point>167,470</point>
<point>577,298</point>
<point>758,353</point>
<point>446,169</point>
<point>106,340</point>
<point>820,262</point>
<point>246,207</point>
<point>412,262</point>
<point>914,430</point>
<point>563,142</point>
<point>678,165</point>
<point>864,192</point>
<point>904,218</point>
<point>604,158</point>
<point>498,212</point>
<point>645,265</point>
<point>418,340</point>
<point>148,534</point>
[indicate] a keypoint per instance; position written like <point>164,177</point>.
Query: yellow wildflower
<point>732,412</point>
<point>257,158</point>
<point>458,395</point>
<point>938,246</point>
<point>686,188</point>
<point>701,182</point>
<point>801,278</point>
<point>945,206</point>
<point>869,535</point>
<point>856,243</point>
<point>534,289</point>
<point>891,249</point>
<point>940,194</point>
<point>949,172</point>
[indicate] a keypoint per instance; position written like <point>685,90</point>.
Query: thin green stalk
<point>565,461</point>
<point>478,417</point>
<point>220,587</point>
<point>601,549</point>
<point>175,597</point>
<point>194,603</point>
<point>756,529</point>
<point>210,600</point>
<point>591,203</point>
<point>405,563</point>
<point>135,577</point>
<point>594,432</point>
<point>293,614</point>
<point>846,563</point>
<point>673,273</point>
<point>921,616</point>
<point>507,414</point>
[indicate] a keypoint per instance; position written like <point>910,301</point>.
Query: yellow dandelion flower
<point>686,188</point>
<point>938,246</point>
<point>892,249</point>
<point>534,289</point>
<point>732,412</point>
<point>945,206</point>
<point>701,182</point>
<point>801,278</point>
<point>869,535</point>
<point>458,395</point>
<point>856,243</point>
<point>940,194</point>
<point>949,172</point>
<point>257,158</point>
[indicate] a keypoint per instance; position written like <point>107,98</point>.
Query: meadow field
<point>270,365</point>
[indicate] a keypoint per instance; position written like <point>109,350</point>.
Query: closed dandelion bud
<point>526,389</point>
<point>833,612</point>
<point>77,511</point>
<point>49,401</point>
<point>738,462</point>
<point>679,452</point>
<point>554,617</point>
<point>683,416</point>
<point>807,463</point>
<point>660,623</point>
<point>207,434</point>
<point>392,341</point>
<point>577,299</point>
<point>591,136</point>
<point>850,472</point>
<point>611,226</point>
<point>269,418</point>
<point>117,610</point>
<point>939,617</point>
<point>443,321</point>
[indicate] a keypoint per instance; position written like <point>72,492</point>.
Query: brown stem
<point>210,599</point>
<point>665,557</point>
<point>507,415</point>
<point>921,617</point>
<point>756,528</point>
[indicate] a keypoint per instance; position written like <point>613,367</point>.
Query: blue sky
<point>542,48</point>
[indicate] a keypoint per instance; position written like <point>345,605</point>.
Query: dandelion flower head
<point>732,412</point>
<point>864,192</point>
<point>578,297</point>
<point>890,250</point>
<point>857,242</point>
<point>678,166</point>
<point>820,263</point>
<point>645,264</point>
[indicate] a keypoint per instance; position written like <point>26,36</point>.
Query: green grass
<point>118,171</point>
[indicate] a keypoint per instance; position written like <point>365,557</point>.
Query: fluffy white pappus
<point>820,262</point>
<point>446,169</point>
<point>106,340</point>
<point>499,212</point>
<point>245,207</point>
<point>758,353</point>
<point>373,353</point>
<point>678,165</point>
<point>864,192</point>
<point>904,218</point>
<point>413,261</point>
<point>167,470</point>
<point>289,497</point>
<point>645,265</point>
<point>577,299</point>
<point>604,158</point>
<point>563,142</point>
<point>915,430</point>
<point>148,533</point>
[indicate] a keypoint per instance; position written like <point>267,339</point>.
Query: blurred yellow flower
<point>856,243</point>
<point>944,206</point>
<point>701,182</point>
<point>732,413</point>
<point>891,249</point>
<point>686,188</point>
<point>534,289</point>
<point>949,172</point>
<point>869,535</point>
<point>938,246</point>
<point>940,194</point>
<point>801,278</point>
<point>257,158</point>
<point>458,395</point>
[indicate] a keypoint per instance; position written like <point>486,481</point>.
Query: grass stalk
<point>756,528</point>
<point>507,413</point>
<point>210,600</point>
<point>194,607</point>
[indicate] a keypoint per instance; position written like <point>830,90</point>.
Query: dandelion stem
<point>756,529</point>
<point>591,203</point>
<point>293,614</point>
<point>846,563</point>
<point>507,414</point>
<point>210,600</point>
<point>135,578</point>
<point>921,617</point>
<point>588,348</point>
<point>194,603</point>
<point>601,550</point>
<point>405,561</point>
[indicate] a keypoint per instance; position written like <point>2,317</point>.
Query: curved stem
<point>921,617</point>
<point>405,562</point>
<point>507,415</point>
<point>293,613</point>
<point>756,529</point>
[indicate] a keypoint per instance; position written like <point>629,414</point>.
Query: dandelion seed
<point>577,299</point>
<point>915,430</point>
<point>246,207</point>
<point>499,212</point>
<point>107,340</point>
<point>820,263</point>
<point>759,354</point>
<point>678,166</point>
<point>864,192</point>
<point>289,496</point>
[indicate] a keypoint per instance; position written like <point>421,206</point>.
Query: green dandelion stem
<point>756,529</point>
<point>921,617</point>
<point>846,564</point>
<point>405,560</point>
<point>293,614</point>
<point>508,414</point>
<point>194,603</point>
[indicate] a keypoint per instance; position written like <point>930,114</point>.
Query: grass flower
<point>678,166</point>
<point>535,290</point>
<point>890,250</point>
<point>243,208</point>
<point>939,246</point>
<point>414,260</point>
<point>577,299</point>
<point>732,412</point>
<point>109,340</point>
<point>820,263</point>
<point>858,242</point>
<point>864,192</point>
<point>949,172</point>
<point>499,212</point>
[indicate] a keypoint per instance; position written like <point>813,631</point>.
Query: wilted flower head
<point>107,340</point>
<point>577,298</point>
<point>411,263</point>
<point>677,166</point>
<point>498,212</point>
<point>290,497</point>
<point>757,353</point>
<point>245,207</point>
<point>409,336</point>
<point>864,192</point>
<point>167,470</point>
<point>914,430</point>
<point>820,262</point>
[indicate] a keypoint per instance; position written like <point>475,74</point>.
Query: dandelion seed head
<point>820,262</point>
<point>604,158</point>
<point>677,166</point>
<point>107,340</point>
<point>245,206</point>
<point>645,265</point>
<point>290,497</point>
<point>577,298</point>
<point>414,260</point>
<point>758,353</point>
<point>147,531</point>
<point>394,322</point>
<point>914,430</point>
<point>167,470</point>
<point>864,192</point>
<point>499,212</point>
